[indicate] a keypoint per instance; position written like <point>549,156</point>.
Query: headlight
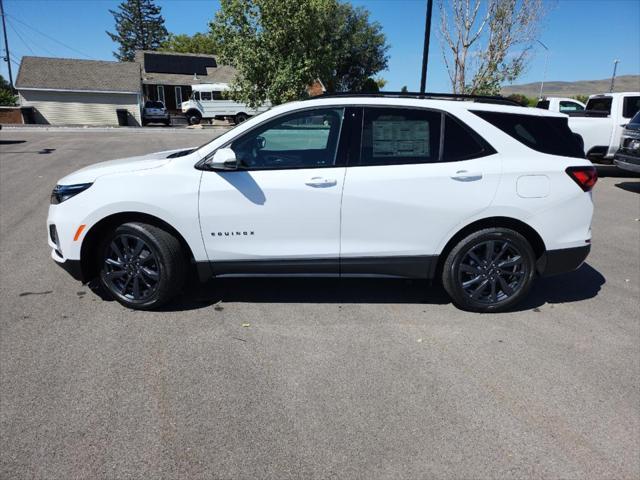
<point>65,192</point>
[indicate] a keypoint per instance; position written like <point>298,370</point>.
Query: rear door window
<point>549,135</point>
<point>398,136</point>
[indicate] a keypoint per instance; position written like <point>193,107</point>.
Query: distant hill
<point>624,83</point>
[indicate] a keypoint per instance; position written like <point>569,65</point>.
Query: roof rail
<point>428,95</point>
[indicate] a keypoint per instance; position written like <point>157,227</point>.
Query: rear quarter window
<point>462,143</point>
<point>630,106</point>
<point>544,104</point>
<point>550,135</point>
<point>601,104</point>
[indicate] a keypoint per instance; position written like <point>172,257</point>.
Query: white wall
<point>79,108</point>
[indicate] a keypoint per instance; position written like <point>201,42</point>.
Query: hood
<point>132,164</point>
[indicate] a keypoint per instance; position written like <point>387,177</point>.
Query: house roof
<point>203,72</point>
<point>44,73</point>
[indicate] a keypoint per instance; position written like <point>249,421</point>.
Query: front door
<point>280,211</point>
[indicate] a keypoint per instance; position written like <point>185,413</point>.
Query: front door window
<point>307,139</point>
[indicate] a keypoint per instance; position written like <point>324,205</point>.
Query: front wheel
<point>489,271</point>
<point>194,117</point>
<point>142,266</point>
<point>241,117</point>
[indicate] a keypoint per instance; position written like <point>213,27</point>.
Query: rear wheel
<point>142,266</point>
<point>241,117</point>
<point>489,271</point>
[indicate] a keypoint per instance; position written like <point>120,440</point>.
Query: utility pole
<point>613,77</point>
<point>546,61</point>
<point>7,58</point>
<point>425,49</point>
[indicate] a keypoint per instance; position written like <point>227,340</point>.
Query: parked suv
<point>484,196</point>
<point>155,112</point>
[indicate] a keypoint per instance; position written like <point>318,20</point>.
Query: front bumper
<point>627,162</point>
<point>72,267</point>
<point>553,262</point>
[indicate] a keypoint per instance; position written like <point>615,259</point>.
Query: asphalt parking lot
<point>327,379</point>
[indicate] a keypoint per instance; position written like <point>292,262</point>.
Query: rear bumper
<point>627,162</point>
<point>553,262</point>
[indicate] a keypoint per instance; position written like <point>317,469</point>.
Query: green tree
<point>7,96</point>
<point>359,49</point>
<point>279,47</point>
<point>182,43</point>
<point>139,26</point>
<point>521,99</point>
<point>404,89</point>
<point>581,98</point>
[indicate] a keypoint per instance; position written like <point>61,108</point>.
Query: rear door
<point>417,176</point>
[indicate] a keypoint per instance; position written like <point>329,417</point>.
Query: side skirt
<point>420,267</point>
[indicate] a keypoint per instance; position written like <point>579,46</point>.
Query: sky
<point>584,37</point>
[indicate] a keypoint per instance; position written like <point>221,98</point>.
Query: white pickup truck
<point>560,104</point>
<point>601,124</point>
<point>207,101</point>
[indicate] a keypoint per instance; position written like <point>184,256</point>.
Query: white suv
<point>479,193</point>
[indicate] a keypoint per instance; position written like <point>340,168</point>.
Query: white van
<point>207,101</point>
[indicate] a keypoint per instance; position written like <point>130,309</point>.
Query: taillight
<point>585,177</point>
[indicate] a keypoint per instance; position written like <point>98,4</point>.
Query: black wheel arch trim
<point>91,241</point>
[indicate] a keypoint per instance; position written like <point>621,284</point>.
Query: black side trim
<point>319,266</point>
<point>73,268</point>
<point>553,262</point>
<point>420,266</point>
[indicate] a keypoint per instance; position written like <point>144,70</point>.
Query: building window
<point>178,96</point>
<point>161,93</point>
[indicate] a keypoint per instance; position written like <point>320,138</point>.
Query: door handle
<point>465,176</point>
<point>321,182</point>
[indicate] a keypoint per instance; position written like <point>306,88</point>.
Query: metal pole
<point>613,77</point>
<point>6,45</point>
<point>546,60</point>
<point>425,49</point>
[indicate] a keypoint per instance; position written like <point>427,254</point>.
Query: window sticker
<point>401,138</point>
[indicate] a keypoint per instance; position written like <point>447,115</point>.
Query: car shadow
<point>11,142</point>
<point>584,283</point>
<point>613,171</point>
<point>633,187</point>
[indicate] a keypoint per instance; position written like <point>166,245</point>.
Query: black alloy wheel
<point>490,270</point>
<point>142,266</point>
<point>131,268</point>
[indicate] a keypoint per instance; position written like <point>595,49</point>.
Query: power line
<point>37,45</point>
<point>49,37</point>
<point>21,39</point>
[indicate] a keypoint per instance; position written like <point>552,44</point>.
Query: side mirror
<point>223,159</point>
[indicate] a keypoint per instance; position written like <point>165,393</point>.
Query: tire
<point>194,117</point>
<point>167,123</point>
<point>490,270</point>
<point>141,266</point>
<point>241,117</point>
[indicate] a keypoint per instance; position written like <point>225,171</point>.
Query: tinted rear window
<point>549,135</point>
<point>630,107</point>
<point>602,104</point>
<point>544,104</point>
<point>153,105</point>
